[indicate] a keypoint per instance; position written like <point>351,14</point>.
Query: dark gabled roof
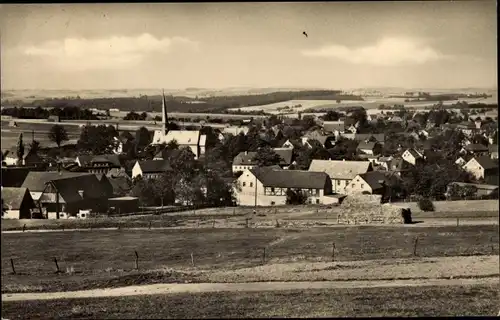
<point>466,125</point>
<point>331,126</point>
<point>107,158</point>
<point>366,145</point>
<point>155,166</point>
<point>35,181</point>
<point>299,179</point>
<point>85,159</point>
<point>14,177</point>
<point>493,148</point>
<point>486,162</point>
<point>69,188</point>
<point>244,158</point>
<point>475,147</point>
<point>285,154</point>
<point>117,172</point>
<point>375,178</point>
<point>13,197</point>
<point>380,137</point>
<point>398,165</point>
<point>120,184</point>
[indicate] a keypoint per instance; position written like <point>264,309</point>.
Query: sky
<point>431,44</point>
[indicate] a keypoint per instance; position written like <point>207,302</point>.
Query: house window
<point>251,184</point>
<point>317,201</point>
<point>317,192</point>
<point>338,182</point>
<point>362,186</point>
<point>244,184</point>
<point>353,185</point>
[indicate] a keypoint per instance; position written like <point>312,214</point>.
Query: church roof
<point>183,137</point>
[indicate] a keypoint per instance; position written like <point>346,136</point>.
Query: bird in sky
<point>305,33</point>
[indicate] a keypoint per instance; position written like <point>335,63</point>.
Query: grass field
<point>92,259</point>
<point>366,302</point>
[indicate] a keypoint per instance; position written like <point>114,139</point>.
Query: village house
<point>232,130</point>
<point>341,172</point>
<point>17,203</point>
<point>120,181</point>
<point>412,156</point>
<point>245,160</point>
<point>67,191</point>
<point>481,167</point>
<point>369,148</point>
<point>269,186</point>
<point>327,141</point>
<point>194,140</point>
<point>461,161</point>
<point>30,158</point>
<point>151,169</point>
<point>373,182</point>
<point>288,144</point>
<point>333,127</point>
<point>468,128</point>
<point>475,149</point>
<point>399,166</point>
<point>98,164</point>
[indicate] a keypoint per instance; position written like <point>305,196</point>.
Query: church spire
<point>164,115</point>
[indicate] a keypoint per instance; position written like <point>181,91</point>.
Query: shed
<point>124,204</point>
<point>17,203</point>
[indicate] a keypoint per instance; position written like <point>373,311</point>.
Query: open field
<point>368,103</point>
<point>469,300</point>
<point>89,259</point>
<point>458,206</point>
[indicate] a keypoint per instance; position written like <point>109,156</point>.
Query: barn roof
<point>155,166</point>
<point>13,197</point>
<point>35,181</point>
<point>69,188</point>
<point>339,169</point>
<point>300,179</point>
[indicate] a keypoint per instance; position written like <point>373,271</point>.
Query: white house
<point>341,172</point>
<point>412,156</point>
<point>191,139</point>
<point>287,144</point>
<point>372,182</point>
<point>150,169</point>
<point>269,186</point>
<point>460,161</point>
<point>481,167</point>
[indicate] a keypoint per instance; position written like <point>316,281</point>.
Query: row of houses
<point>328,181</point>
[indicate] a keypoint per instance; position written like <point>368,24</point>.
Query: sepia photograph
<point>249,160</point>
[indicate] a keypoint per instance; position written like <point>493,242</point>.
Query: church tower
<point>164,115</point>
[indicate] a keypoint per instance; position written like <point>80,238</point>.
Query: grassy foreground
<point>372,302</point>
<point>107,258</point>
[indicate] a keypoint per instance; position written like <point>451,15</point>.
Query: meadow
<point>104,258</point>
<point>481,300</point>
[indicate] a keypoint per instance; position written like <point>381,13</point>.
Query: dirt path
<point>235,287</point>
<point>285,224</point>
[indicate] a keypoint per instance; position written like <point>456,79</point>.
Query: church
<point>184,138</point>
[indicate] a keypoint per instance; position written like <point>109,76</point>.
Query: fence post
<point>234,211</point>
<point>150,222</point>
<point>457,221</point>
<point>333,251</point>
<point>213,223</point>
<point>415,246</point>
<point>492,245</point>
<point>246,220</point>
<point>136,260</point>
<point>57,265</point>
<point>192,259</point>
<point>264,255</point>
<point>24,227</point>
<point>12,265</point>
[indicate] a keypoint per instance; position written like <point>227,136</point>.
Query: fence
<point>248,251</point>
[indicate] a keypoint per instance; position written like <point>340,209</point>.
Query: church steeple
<point>164,115</point>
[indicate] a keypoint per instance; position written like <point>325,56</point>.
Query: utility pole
<point>57,202</point>
<point>255,191</point>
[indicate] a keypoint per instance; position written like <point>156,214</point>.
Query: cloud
<point>105,53</point>
<point>387,52</point>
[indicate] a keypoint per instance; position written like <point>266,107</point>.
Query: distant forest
<point>183,104</point>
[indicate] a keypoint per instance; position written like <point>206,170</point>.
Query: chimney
<point>246,152</point>
<point>80,192</point>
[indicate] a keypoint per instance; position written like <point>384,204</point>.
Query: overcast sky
<point>350,45</point>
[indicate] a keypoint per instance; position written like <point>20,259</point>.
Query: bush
<point>425,204</point>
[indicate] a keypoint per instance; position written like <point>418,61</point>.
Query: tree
<point>97,139</point>
<point>295,197</point>
<point>20,149</point>
<point>34,147</point>
<point>331,116</point>
<point>58,134</point>
<point>142,138</point>
<point>266,157</point>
